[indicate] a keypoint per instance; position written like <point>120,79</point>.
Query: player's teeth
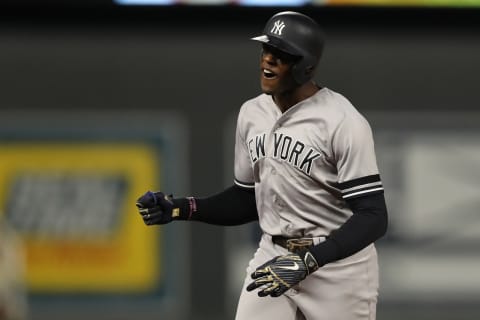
<point>268,73</point>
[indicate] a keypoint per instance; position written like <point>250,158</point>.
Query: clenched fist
<point>156,208</point>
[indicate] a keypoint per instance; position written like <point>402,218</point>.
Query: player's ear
<point>309,70</point>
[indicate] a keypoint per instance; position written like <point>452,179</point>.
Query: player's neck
<point>288,99</point>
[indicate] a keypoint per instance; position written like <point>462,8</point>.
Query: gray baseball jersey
<point>303,164</point>
<point>304,161</point>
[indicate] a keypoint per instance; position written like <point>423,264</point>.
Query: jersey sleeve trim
<point>247,185</point>
<point>361,186</point>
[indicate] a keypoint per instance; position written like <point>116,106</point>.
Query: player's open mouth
<point>269,74</point>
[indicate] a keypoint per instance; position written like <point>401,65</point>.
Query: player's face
<point>276,71</point>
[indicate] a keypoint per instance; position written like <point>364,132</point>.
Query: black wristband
<point>186,207</point>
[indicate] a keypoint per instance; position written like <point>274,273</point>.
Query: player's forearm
<point>233,206</point>
<point>367,224</point>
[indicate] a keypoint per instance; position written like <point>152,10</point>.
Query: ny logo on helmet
<point>278,27</point>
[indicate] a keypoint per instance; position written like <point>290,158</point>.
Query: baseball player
<point>305,168</point>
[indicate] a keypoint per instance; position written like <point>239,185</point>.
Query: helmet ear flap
<point>303,71</point>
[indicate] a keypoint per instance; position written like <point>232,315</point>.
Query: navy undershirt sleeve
<point>367,224</point>
<point>231,207</point>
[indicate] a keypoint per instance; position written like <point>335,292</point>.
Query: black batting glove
<point>281,273</point>
<point>158,208</point>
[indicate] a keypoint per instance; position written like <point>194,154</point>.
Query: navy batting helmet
<point>297,35</point>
